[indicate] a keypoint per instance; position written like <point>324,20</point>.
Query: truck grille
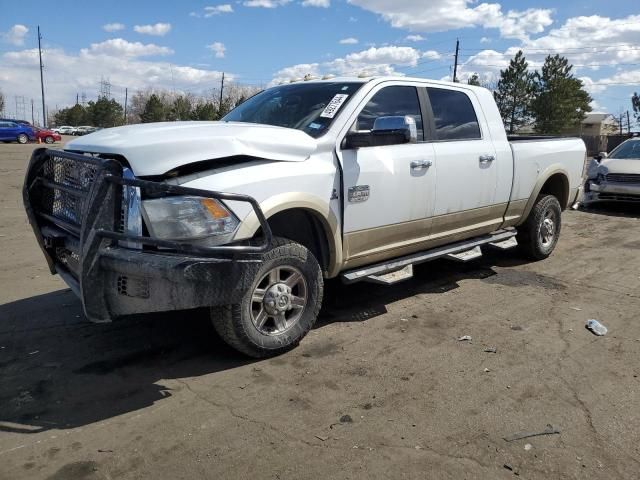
<point>623,178</point>
<point>66,187</point>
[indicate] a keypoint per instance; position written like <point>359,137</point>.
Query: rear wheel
<point>280,307</point>
<point>22,138</point>
<point>539,234</point>
<point>48,139</point>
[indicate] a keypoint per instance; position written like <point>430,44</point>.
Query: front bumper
<point>74,204</point>
<point>609,191</point>
<point>130,282</point>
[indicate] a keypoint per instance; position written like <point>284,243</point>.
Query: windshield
<point>628,149</point>
<point>310,107</point>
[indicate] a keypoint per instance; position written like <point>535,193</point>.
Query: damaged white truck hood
<point>156,148</point>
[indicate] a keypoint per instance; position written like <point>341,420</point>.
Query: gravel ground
<point>381,388</point>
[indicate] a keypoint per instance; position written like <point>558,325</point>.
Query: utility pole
<point>77,98</point>
<point>126,95</point>
<point>44,113</point>
<point>628,124</point>
<point>33,117</point>
<point>455,64</point>
<point>221,90</point>
<point>620,123</point>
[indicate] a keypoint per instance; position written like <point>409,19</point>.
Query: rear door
<point>466,169</point>
<point>388,191</point>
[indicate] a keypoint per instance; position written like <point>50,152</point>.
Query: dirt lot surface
<point>380,389</point>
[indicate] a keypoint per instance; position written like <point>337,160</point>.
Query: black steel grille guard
<point>101,206</point>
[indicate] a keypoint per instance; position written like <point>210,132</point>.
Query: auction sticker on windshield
<point>334,105</point>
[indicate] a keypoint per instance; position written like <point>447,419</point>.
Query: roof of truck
<point>378,78</point>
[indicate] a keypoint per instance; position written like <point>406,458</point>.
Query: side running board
<point>399,269</point>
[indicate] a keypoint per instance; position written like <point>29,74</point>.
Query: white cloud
<point>485,40</point>
<point>69,73</point>
<point>119,46</point>
<point>265,3</point>
<point>217,10</point>
<point>113,27</point>
<point>158,29</point>
<point>431,55</point>
<point>15,35</point>
<point>373,61</point>
<point>296,72</point>
<point>316,3</point>
<point>442,15</point>
<point>591,86</point>
<point>591,40</point>
<point>218,49</point>
<point>414,38</point>
<point>349,41</point>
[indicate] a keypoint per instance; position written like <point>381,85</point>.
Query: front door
<point>388,191</point>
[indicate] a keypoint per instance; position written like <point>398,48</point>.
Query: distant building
<point>599,124</point>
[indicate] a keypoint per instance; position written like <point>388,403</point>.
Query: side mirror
<point>393,130</point>
<point>601,156</point>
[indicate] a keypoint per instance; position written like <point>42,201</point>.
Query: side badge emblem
<point>358,194</point>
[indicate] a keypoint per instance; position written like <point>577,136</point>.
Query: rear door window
<point>454,115</point>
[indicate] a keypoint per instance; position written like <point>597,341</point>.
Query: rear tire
<point>538,235</point>
<point>48,139</point>
<point>280,307</point>
<point>22,138</point>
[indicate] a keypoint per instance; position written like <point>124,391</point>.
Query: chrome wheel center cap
<point>277,299</point>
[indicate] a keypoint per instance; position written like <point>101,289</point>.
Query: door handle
<point>486,158</point>
<point>420,164</point>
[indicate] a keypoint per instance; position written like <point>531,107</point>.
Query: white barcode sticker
<point>334,105</point>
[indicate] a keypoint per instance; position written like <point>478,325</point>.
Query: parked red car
<point>47,136</point>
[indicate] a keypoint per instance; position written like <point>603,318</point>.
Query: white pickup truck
<point>353,178</point>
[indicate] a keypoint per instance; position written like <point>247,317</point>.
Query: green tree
<point>105,112</point>
<point>561,102</point>
<point>181,108</point>
<point>74,116</point>
<point>514,93</point>
<point>154,110</point>
<point>635,103</point>
<point>474,80</point>
<point>205,111</point>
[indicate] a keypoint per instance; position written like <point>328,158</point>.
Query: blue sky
<point>184,46</point>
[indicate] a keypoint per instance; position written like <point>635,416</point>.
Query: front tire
<point>48,139</point>
<point>280,307</point>
<point>539,234</point>
<point>22,138</point>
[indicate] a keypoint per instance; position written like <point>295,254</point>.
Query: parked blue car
<point>16,132</point>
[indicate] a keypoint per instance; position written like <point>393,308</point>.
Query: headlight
<point>204,220</point>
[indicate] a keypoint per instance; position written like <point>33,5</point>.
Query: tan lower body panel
<point>515,212</point>
<point>378,244</point>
